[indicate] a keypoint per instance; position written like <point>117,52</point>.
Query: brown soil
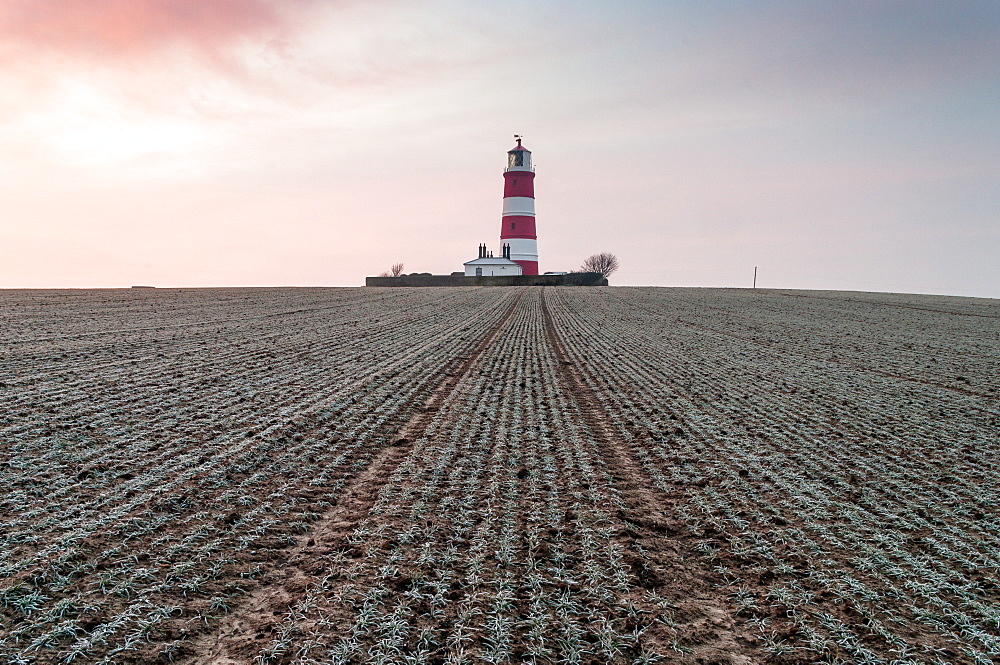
<point>710,629</point>
<point>704,630</point>
<point>729,477</point>
<point>242,634</point>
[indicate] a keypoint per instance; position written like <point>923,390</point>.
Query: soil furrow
<point>238,633</point>
<point>618,475</point>
<point>648,523</point>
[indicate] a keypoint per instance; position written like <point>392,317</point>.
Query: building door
<point>479,272</point>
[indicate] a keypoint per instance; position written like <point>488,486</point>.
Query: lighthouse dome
<point>518,158</point>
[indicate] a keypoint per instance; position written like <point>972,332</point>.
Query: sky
<point>832,145</point>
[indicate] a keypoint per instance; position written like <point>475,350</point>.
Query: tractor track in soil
<point>238,636</point>
<point>713,633</point>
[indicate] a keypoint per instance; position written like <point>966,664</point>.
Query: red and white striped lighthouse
<point>518,226</point>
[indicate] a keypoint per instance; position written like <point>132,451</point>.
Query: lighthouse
<point>517,228</point>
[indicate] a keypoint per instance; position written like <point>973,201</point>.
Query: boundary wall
<point>427,279</point>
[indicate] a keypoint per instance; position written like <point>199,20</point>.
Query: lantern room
<point>518,158</point>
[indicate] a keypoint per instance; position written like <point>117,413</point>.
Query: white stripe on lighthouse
<point>519,205</point>
<point>523,249</point>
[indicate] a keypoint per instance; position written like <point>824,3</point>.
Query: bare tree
<point>605,263</point>
<point>396,269</point>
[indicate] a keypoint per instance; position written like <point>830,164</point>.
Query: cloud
<point>851,48</point>
<point>800,59</point>
<point>152,54</point>
<point>115,29</point>
<point>222,58</point>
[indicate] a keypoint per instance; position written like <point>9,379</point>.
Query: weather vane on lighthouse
<point>517,228</point>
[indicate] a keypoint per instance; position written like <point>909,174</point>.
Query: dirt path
<point>658,547</point>
<point>702,613</point>
<point>240,634</point>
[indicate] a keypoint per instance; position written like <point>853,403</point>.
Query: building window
<point>512,225</point>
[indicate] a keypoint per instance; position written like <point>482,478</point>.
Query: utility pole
<point>755,277</point>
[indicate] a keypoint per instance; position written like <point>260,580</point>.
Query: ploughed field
<point>498,475</point>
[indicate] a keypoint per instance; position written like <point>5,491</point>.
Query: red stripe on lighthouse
<point>519,183</point>
<point>528,267</point>
<point>517,226</point>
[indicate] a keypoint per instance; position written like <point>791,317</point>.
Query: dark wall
<point>426,279</point>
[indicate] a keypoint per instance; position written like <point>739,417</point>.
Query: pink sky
<point>835,145</point>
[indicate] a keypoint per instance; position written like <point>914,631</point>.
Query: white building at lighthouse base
<point>488,266</point>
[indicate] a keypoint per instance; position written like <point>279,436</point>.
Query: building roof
<point>491,261</point>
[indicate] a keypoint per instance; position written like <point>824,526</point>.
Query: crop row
<point>176,443</point>
<point>846,493</point>
<point>497,539</point>
<point>498,475</point>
